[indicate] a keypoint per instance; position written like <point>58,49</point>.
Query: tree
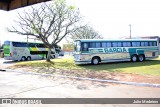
<point>50,23</point>
<point>86,32</point>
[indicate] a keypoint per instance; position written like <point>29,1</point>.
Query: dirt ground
<point>128,77</point>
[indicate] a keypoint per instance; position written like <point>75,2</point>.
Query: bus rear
<point>7,50</point>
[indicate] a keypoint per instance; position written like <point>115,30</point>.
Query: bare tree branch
<point>49,22</point>
<point>85,32</point>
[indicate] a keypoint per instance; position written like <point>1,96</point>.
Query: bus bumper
<point>149,58</point>
<point>82,62</point>
<point>8,58</point>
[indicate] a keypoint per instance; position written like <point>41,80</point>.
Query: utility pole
<point>130,30</point>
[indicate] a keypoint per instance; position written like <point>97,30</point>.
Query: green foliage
<point>35,29</point>
<point>59,2</point>
<point>72,7</point>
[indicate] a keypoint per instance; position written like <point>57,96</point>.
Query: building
<point>14,4</point>
<point>68,47</point>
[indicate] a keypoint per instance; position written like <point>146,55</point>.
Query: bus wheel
<point>28,58</point>
<point>23,58</point>
<point>134,58</point>
<point>95,61</point>
<point>53,57</point>
<point>141,58</point>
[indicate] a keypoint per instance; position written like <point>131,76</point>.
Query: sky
<point>111,18</point>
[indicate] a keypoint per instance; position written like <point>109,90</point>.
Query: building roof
<point>14,4</point>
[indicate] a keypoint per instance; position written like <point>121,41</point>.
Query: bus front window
<point>77,46</point>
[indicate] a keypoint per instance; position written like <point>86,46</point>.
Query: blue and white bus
<point>97,51</point>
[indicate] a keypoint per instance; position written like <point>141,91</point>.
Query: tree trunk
<point>49,55</point>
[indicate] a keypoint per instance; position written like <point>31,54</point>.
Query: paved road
<point>20,85</point>
<point>6,63</point>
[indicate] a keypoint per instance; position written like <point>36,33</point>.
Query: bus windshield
<point>77,45</point>
<point>7,43</point>
<point>6,48</point>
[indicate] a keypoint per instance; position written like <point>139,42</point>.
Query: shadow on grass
<point>149,66</point>
<point>116,66</point>
<point>16,61</point>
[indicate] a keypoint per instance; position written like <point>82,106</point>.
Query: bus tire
<point>134,58</point>
<point>23,58</point>
<point>141,58</point>
<point>28,58</point>
<point>95,60</point>
<point>53,56</point>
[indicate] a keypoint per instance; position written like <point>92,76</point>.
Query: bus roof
<point>103,40</point>
<point>24,42</point>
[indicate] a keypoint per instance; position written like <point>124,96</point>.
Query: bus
<point>98,51</point>
<point>22,51</point>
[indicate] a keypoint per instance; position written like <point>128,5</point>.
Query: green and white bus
<point>97,51</point>
<point>22,51</point>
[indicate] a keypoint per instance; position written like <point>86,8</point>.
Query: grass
<point>151,67</point>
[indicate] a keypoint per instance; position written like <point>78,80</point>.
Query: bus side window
<point>142,43</point>
<point>119,44</point>
<point>114,44</point>
<point>154,43</point>
<point>31,45</point>
<point>109,44</point>
<point>150,44</point>
<point>136,44</point>
<point>84,46</point>
<point>98,45</point>
<point>133,44</point>
<point>14,44</point>
<point>126,44</point>
<point>146,44</point>
<point>19,44</point>
<point>104,44</point>
<point>40,45</point>
<point>129,44</point>
<point>92,45</point>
